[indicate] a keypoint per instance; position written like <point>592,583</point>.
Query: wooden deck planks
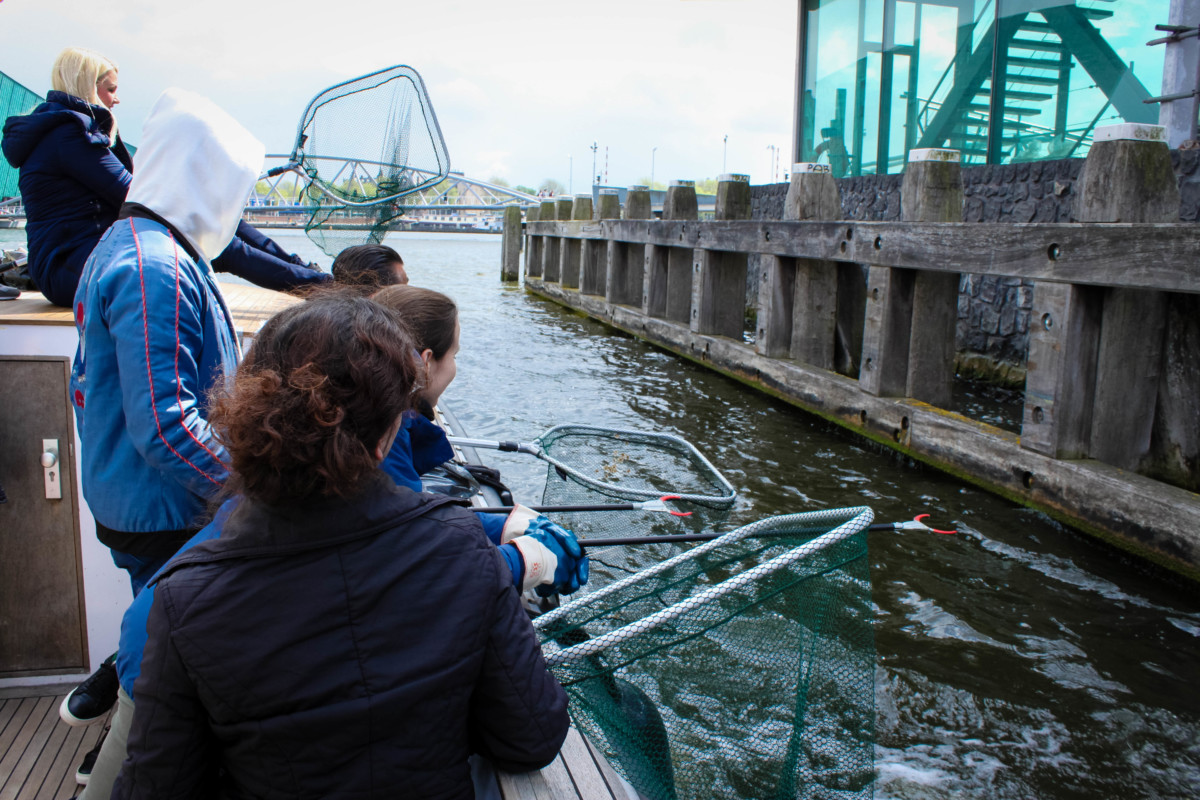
<point>33,309</point>
<point>619,786</point>
<point>250,307</point>
<point>38,752</point>
<point>19,736</point>
<point>578,773</point>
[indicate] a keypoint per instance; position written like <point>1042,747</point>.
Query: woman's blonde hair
<point>77,71</point>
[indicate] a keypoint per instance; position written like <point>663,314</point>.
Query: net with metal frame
<point>741,668</point>
<point>588,464</point>
<point>364,144</point>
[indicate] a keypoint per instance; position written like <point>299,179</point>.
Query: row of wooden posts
<point>1113,372</point>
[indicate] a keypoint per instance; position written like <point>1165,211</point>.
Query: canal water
<point>1015,659</point>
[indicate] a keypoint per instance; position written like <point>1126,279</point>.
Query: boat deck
<point>39,754</point>
<point>249,305</point>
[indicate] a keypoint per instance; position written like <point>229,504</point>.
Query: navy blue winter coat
<point>343,648</point>
<point>73,184</point>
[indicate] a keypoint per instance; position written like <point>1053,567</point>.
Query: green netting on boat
<point>743,668</point>
<point>589,465</point>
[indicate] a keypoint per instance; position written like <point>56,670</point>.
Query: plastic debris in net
<point>365,144</point>
<point>595,465</point>
<point>743,668</point>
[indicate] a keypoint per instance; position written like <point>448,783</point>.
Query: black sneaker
<point>85,769</point>
<point>91,700</point>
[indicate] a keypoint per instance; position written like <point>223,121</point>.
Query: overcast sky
<point>521,89</point>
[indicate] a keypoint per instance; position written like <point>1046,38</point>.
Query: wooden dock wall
<point>1110,440</point>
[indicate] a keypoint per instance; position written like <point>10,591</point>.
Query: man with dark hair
<point>371,266</point>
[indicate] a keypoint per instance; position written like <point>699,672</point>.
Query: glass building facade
<point>15,100</point>
<point>1000,80</point>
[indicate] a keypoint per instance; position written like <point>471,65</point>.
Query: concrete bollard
<point>903,356</point>
<point>626,262</point>
<point>718,300</point>
<point>1100,382</point>
<point>798,299</point>
<point>510,259</point>
<point>593,266</point>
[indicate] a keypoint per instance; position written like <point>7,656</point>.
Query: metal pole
<point>653,150</point>
<point>725,156</point>
<point>1181,76</point>
<point>797,148</point>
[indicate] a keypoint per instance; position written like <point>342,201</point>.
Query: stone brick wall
<point>993,313</point>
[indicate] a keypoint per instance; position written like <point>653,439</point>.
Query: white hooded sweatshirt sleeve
<point>196,168</point>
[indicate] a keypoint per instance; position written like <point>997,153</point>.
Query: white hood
<point>195,168</point>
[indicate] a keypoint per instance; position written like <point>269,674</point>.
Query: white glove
<point>517,523</point>
<point>540,561</point>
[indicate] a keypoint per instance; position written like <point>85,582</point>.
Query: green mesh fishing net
<point>743,668</point>
<point>363,145</point>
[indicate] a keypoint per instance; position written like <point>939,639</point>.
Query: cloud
<point>522,90</point>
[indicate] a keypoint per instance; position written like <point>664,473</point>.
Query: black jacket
<point>72,185</point>
<point>340,649</point>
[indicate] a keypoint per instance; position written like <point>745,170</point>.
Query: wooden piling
<point>533,245</point>
<point>549,247</point>
<point>510,259</point>
<point>654,280</point>
<point>797,297</point>
<point>1128,178</point>
<point>933,192</point>
<point>719,285</point>
<point>562,206</point>
<point>625,261</point>
<point>680,204</point>
<point>593,264</point>
<point>903,356</point>
<point>572,249</point>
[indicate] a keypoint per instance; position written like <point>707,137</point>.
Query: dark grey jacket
<point>340,649</point>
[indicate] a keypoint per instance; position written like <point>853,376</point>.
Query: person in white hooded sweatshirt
<point>155,334</point>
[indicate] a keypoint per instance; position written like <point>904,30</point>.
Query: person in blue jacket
<point>341,636</point>
<point>75,172</point>
<point>155,335</point>
<point>542,556</point>
<point>432,320</point>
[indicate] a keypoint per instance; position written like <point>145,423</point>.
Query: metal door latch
<point>52,469</point>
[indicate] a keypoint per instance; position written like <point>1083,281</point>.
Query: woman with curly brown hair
<point>342,636</point>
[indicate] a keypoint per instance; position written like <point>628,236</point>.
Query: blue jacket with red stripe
<point>154,337</point>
